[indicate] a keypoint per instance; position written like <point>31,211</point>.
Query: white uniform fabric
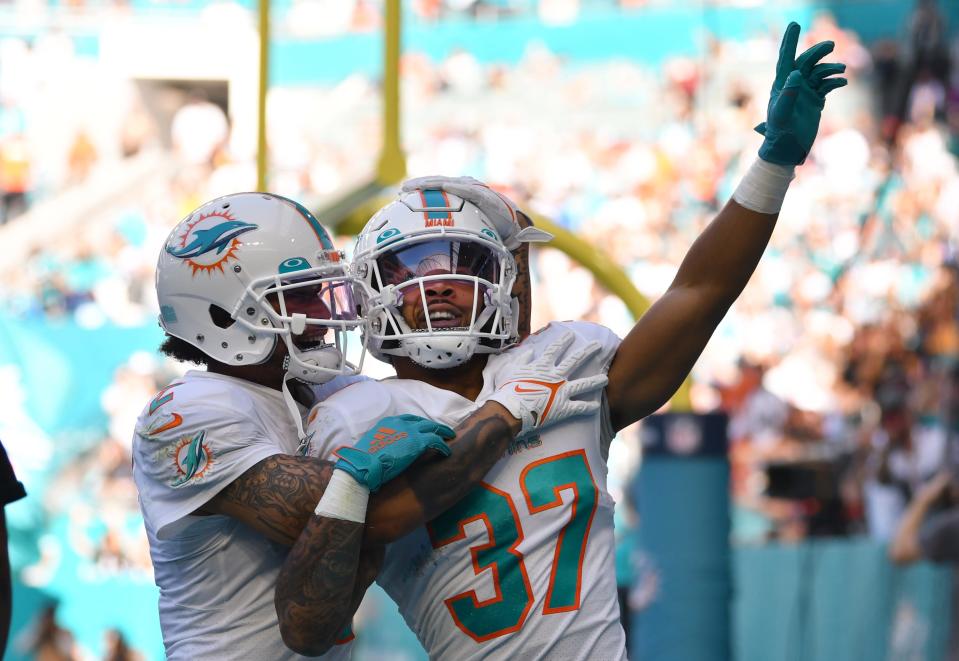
<point>216,576</point>
<point>525,609</point>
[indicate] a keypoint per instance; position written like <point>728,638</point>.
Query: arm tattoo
<point>316,591</point>
<point>329,568</point>
<point>521,290</point>
<point>276,496</point>
<point>522,287</point>
<point>438,485</point>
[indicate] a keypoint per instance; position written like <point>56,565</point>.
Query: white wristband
<point>763,187</point>
<point>344,498</point>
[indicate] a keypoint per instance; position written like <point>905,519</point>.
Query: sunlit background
<point>627,122</point>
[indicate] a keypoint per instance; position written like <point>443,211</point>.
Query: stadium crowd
<point>837,366</point>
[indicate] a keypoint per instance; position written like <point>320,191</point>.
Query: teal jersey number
<point>541,483</point>
<point>507,610</point>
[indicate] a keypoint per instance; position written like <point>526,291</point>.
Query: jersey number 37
<point>541,484</point>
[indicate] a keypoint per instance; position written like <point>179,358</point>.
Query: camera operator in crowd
<point>929,526</point>
<point>929,530</point>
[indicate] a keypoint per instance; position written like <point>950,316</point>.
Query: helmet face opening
<point>312,307</point>
<point>437,257</point>
<point>436,291</point>
<point>439,284</point>
<point>313,311</point>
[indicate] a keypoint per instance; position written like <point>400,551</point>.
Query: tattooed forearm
<point>521,289</point>
<point>522,286</point>
<point>315,591</point>
<point>276,496</point>
<point>325,575</point>
<point>435,486</point>
<point>480,441</point>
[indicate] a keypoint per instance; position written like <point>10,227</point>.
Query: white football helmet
<point>436,258</point>
<point>246,269</point>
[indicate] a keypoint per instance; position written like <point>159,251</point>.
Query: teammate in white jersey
<point>523,565</point>
<point>251,286</point>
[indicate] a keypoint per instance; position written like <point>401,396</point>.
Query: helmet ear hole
<point>220,317</point>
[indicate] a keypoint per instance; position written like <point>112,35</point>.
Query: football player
<point>523,565</point>
<point>250,286</point>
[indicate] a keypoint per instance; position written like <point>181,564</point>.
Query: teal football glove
<point>797,99</point>
<point>390,447</point>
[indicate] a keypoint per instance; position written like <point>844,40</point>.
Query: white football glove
<point>499,209</point>
<point>540,393</point>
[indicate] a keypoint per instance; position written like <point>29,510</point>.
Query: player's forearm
<point>431,487</point>
<point>658,353</point>
<point>722,259</point>
<point>276,497</point>
<point>522,288</point>
<point>904,547</point>
<point>315,591</point>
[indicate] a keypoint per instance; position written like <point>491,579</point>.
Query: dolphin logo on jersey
<point>210,241</point>
<point>216,238</point>
<point>191,458</point>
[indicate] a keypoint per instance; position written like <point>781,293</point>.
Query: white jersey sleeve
<point>343,417</point>
<point>192,440</point>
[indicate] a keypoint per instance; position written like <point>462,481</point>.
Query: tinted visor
<point>438,257</point>
<point>318,300</point>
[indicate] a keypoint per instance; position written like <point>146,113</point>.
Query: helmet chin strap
<point>294,410</point>
<point>321,364</point>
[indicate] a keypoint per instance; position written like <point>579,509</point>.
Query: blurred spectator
<point>136,130</point>
<point>14,176</point>
<point>930,530</point>
<point>928,42</point>
<point>80,159</point>
<point>199,130</point>
<point>117,648</point>
<point>48,641</point>
<point>11,490</point>
<point>905,453</point>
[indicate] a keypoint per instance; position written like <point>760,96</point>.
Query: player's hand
<point>936,487</point>
<point>499,209</point>
<point>797,99</point>
<point>390,447</point>
<point>540,391</point>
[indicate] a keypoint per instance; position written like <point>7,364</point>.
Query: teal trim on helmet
<point>387,234</point>
<point>294,264</point>
<point>318,229</point>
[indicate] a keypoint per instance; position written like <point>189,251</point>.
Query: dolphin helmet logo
<point>210,241</point>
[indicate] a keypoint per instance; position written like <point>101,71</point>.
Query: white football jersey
<point>522,567</point>
<point>216,575</point>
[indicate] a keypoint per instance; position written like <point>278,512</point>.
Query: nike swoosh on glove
<point>540,391</point>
